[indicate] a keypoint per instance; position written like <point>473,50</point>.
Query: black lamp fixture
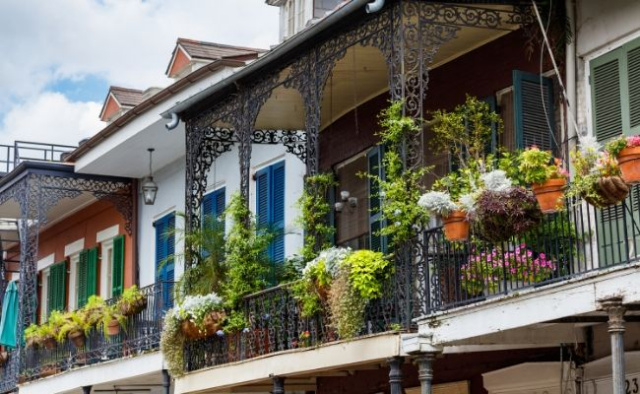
<point>149,188</point>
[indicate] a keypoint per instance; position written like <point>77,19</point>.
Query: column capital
<point>616,310</point>
<point>417,344</point>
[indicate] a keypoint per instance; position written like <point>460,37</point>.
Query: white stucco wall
<point>170,197</point>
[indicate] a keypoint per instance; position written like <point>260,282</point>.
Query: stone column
<point>278,385</point>
<point>395,374</point>
<point>425,372</point>
<point>616,310</point>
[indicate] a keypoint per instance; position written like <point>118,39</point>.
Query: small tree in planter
<point>627,151</point>
<point>546,176</point>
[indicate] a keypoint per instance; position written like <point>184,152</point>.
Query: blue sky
<point>60,57</point>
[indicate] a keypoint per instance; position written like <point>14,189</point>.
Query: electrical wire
<point>542,95</point>
<point>555,67</point>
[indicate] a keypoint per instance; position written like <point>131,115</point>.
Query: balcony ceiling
<point>356,78</point>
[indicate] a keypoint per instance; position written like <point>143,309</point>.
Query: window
<point>213,206</point>
<point>56,287</point>
<point>270,203</point>
<point>165,248</point>
<point>87,276</point>
<point>615,91</point>
<point>374,167</point>
<point>533,111</point>
<point>74,260</point>
<point>106,269</point>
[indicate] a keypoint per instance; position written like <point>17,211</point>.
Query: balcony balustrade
<point>140,334</point>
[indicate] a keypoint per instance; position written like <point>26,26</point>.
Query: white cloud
<point>51,118</point>
<point>128,43</point>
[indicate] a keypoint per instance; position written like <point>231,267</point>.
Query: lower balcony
<point>140,334</point>
<point>576,242</point>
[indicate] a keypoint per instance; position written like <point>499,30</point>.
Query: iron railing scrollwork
<point>141,333</point>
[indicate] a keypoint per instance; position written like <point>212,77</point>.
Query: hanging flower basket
<point>611,189</point>
<point>629,161</point>
<point>456,226</point>
<point>49,343</point>
<point>134,307</point>
<point>550,194</point>
<point>211,324</point>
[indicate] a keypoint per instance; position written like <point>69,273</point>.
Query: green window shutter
<point>57,287</point>
<point>92,272</point>
<point>375,167</point>
<point>118,266</point>
<point>532,95</point>
<point>606,95</point>
<point>82,279</point>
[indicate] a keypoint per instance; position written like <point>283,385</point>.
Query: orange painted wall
<point>111,108</point>
<point>179,62</point>
<point>86,224</point>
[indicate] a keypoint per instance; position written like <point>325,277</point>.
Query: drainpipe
<point>374,6</point>
<point>570,76</point>
<point>174,122</point>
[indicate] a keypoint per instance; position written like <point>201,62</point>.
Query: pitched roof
<point>212,51</point>
<point>126,97</point>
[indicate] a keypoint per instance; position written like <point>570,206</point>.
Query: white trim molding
<point>108,233</point>
<point>74,247</point>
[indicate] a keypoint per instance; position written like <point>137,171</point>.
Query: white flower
<point>468,203</point>
<point>331,257</point>
<point>589,145</point>
<point>437,202</point>
<point>496,180</point>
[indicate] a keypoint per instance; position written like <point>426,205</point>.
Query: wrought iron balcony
<point>12,155</point>
<point>576,241</point>
<point>141,334</point>
<point>275,325</point>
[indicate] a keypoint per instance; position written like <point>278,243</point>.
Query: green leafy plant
<point>111,313</point>
<point>246,254</point>
<point>367,272</point>
<point>132,301</point>
<point>74,322</point>
<point>401,187</point>
<point>614,147</point>
<point>538,166</point>
<point>346,306</point>
<point>207,247</point>
<point>235,322</point>
<point>172,343</point>
<point>314,210</point>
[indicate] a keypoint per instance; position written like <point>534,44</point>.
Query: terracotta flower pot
<point>133,308</point>
<point>549,194</point>
<point>113,328</point>
<point>49,370</point>
<point>629,161</point>
<point>456,226</point>
<point>77,338</point>
<point>49,343</point>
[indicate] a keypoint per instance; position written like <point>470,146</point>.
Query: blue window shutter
<point>208,207</point>
<point>531,94</point>
<point>278,204</point>
<point>492,145</point>
<point>262,197</point>
<point>165,249</point>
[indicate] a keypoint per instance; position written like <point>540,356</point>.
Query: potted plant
<point>32,335</point>
<point>627,151</point>
<point>454,215</point>
<point>546,176</point>
<point>597,176</point>
<point>132,301</point>
<point>201,316</point>
<point>4,356</point>
<point>360,278</point>
<point>526,267</point>
<point>75,328</point>
<point>112,320</point>
<point>48,332</point>
<point>482,271</point>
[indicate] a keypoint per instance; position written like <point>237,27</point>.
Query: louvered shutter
<point>262,198</point>
<point>57,286</point>
<point>208,207</point>
<point>533,95</point>
<point>170,240</point>
<point>492,143</point>
<point>277,220</point>
<point>633,75</point>
<point>220,196</point>
<point>606,96</point>
<point>375,168</point>
<point>82,279</point>
<point>117,283</point>
<point>92,272</point>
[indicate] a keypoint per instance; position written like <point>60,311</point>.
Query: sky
<point>59,57</point>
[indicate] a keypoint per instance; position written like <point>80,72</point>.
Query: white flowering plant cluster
<point>328,261</point>
<point>196,308</point>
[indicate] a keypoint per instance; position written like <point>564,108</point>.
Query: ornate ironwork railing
<point>140,334</point>
<point>575,241</point>
<point>12,155</point>
<point>8,381</point>
<point>275,325</point>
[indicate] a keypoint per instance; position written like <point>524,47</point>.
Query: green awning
<point>9,318</point>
